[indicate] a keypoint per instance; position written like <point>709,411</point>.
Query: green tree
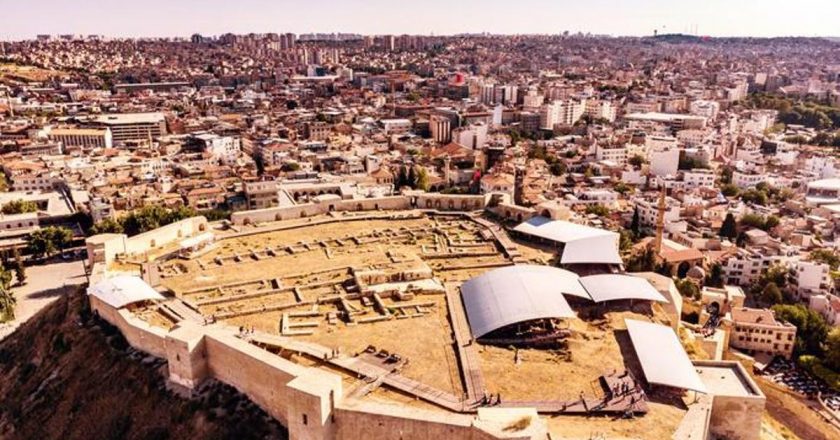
<point>422,181</point>
<point>20,269</point>
<point>729,228</point>
<point>7,298</point>
<point>153,217</point>
<point>715,276</point>
<point>811,328</point>
<point>832,349</point>
<point>635,224</point>
<point>771,294</point>
<point>107,226</point>
<point>826,256</point>
<point>47,241</point>
<point>412,178</point>
<point>753,221</point>
<point>754,196</point>
<point>636,161</point>
<point>19,207</point>
<point>729,190</point>
<point>599,210</point>
<point>688,289</point>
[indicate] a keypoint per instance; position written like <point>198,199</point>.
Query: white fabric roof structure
<point>123,290</point>
<point>663,358</point>
<point>582,244</point>
<point>513,294</point>
<point>610,287</point>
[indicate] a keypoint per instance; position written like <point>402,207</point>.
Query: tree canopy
<point>47,241</point>
<point>19,207</point>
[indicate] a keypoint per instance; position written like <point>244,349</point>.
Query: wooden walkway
<point>468,358</point>
<point>364,368</point>
<point>177,309</point>
<point>622,394</point>
<point>510,248</point>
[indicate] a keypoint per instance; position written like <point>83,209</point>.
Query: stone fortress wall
<point>310,402</point>
<point>437,201</point>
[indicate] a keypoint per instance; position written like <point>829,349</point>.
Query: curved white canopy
<point>582,244</point>
<point>123,290</point>
<point>610,287</point>
<point>514,294</point>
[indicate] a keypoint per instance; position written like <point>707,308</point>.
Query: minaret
<point>660,223</point>
<point>519,186</point>
<point>446,173</point>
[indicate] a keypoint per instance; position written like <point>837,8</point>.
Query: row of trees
<point>7,269</point>
<point>412,177</point>
<point>143,220</point>
<point>809,114</point>
<point>19,207</point>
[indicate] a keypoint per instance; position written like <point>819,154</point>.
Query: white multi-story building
<point>600,109</point>
<point>664,162</point>
<point>746,266</point>
<point>649,211</point>
<point>699,178</point>
<point>472,136</point>
<point>396,126</point>
<point>563,112</point>
<point>617,154</point>
<point>441,128</point>
<point>812,278</point>
<point>744,179</point>
<point>708,109</point>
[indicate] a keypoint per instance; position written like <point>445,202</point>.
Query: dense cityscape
<point>472,236</point>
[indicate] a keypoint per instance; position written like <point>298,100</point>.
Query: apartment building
<point>699,178</point>
<point>758,331</point>
<point>132,126</point>
<point>86,138</point>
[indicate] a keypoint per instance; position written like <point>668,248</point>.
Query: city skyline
<point>157,18</point>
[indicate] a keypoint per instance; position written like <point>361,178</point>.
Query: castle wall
<point>137,332</point>
<point>736,418</point>
<point>442,202</point>
<point>142,243</point>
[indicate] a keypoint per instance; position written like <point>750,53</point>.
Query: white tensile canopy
<point>610,287</point>
<point>123,290</point>
<point>582,244</point>
<point>662,356</point>
<point>514,294</point>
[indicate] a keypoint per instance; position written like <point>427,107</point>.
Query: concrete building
<point>757,331</point>
<point>132,126</point>
<point>699,178</point>
<point>81,137</point>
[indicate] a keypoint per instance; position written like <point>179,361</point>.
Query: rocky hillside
<point>66,375</point>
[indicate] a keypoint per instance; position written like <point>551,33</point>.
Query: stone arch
<point>451,204</point>
<point>519,217</point>
<point>682,269</point>
<point>202,227</point>
<point>359,207</point>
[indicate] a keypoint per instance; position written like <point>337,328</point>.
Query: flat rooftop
<point>726,379</point>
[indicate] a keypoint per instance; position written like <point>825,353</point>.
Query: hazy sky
<point>27,18</point>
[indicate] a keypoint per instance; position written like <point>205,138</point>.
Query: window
<point>305,420</point>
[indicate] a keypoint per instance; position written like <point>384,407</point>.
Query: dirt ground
<point>795,413</point>
<point>659,423</point>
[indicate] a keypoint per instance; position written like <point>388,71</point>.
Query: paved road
<point>45,283</point>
